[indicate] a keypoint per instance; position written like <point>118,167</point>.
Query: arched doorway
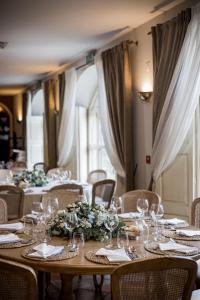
<point>6,129</point>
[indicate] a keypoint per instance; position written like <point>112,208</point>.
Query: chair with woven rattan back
<point>73,187</point>
<point>195,213</point>
<point>160,278</point>
<point>96,175</point>
<point>14,198</point>
<point>3,211</point>
<point>129,199</point>
<point>17,281</point>
<point>102,192</point>
<point>64,197</point>
<point>40,166</point>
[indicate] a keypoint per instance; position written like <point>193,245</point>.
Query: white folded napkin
<point>43,250</point>
<point>178,247</point>
<point>130,215</point>
<point>31,216</point>
<point>188,233</point>
<point>9,238</point>
<point>173,221</point>
<point>12,226</point>
<point>114,255</point>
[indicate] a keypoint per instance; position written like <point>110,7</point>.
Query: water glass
<point>39,232</point>
<point>78,240</point>
<point>142,206</point>
<point>122,239</point>
<point>28,226</point>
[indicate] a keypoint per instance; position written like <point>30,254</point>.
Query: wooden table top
<point>78,265</point>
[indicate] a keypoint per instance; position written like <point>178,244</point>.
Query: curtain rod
<point>91,63</point>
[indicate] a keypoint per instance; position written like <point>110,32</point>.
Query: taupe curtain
<point>118,84</point>
<point>50,124</point>
<point>61,79</point>
<point>24,112</point>
<point>167,42</point>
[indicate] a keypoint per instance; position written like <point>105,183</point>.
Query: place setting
<point>183,234</point>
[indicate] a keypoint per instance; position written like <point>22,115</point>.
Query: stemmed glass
<point>156,213</point>
<point>142,206</point>
<point>70,224</point>
<point>111,222</point>
<point>116,203</point>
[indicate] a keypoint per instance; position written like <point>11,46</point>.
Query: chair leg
<point>98,285</point>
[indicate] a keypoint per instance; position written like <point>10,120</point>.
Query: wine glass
<point>71,220</point>
<point>156,213</point>
<point>111,222</point>
<point>116,203</point>
<point>142,206</point>
<point>37,210</point>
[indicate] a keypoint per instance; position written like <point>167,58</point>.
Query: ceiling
<point>44,35</point>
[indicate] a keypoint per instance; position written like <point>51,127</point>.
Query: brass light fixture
<point>145,96</point>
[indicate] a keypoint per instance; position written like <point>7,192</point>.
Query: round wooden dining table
<point>68,268</point>
<point>78,265</point>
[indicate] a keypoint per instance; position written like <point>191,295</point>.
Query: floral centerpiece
<point>91,221</point>
<point>31,178</point>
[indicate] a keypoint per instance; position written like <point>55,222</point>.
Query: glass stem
<point>110,237</point>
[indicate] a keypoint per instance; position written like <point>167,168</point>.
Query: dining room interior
<point>100,149</point>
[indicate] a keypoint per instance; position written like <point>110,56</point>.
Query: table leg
<point>66,287</point>
<point>42,276</point>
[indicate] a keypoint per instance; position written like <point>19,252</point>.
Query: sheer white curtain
<point>67,126</point>
<point>181,100</point>
<point>105,122</point>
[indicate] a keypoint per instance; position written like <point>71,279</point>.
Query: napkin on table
<point>173,221</point>
<point>43,250</point>
<point>12,226</point>
<point>178,247</point>
<point>188,233</point>
<point>9,238</point>
<point>114,255</point>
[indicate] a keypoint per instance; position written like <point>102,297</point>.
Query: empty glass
<point>28,226</point>
<point>116,202</point>
<point>78,240</point>
<point>122,239</point>
<point>70,224</point>
<point>111,222</point>
<point>142,206</point>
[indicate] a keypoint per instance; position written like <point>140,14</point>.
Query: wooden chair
<point>159,278</point>
<point>3,174</point>
<point>96,175</point>
<point>73,187</point>
<point>195,221</point>
<point>17,281</point>
<point>195,213</point>
<point>64,197</point>
<point>40,166</point>
<point>14,198</point>
<point>3,211</point>
<point>129,199</point>
<point>102,192</point>
<point>20,164</point>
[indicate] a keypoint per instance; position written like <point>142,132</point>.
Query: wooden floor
<point>83,289</point>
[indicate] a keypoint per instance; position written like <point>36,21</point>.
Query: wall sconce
<point>145,96</point>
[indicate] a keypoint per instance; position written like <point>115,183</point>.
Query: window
<point>97,155</point>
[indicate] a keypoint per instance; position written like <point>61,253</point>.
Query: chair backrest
<point>3,174</point>
<point>195,213</point>
<point>73,187</point>
<point>14,198</point>
<point>17,281</point>
<point>102,192</point>
<point>3,211</point>
<point>64,197</point>
<point>20,164</point>
<point>96,175</point>
<point>159,278</point>
<point>129,199</point>
<point>40,166</point>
